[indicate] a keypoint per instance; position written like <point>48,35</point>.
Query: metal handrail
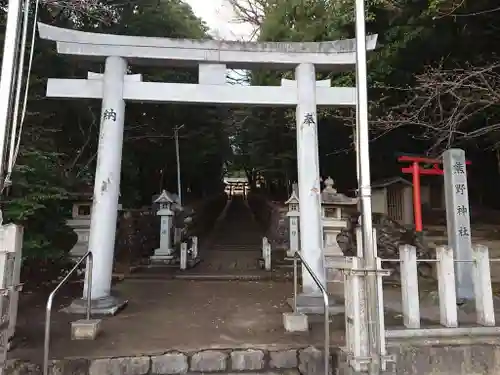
<point>48,310</point>
<point>326,303</point>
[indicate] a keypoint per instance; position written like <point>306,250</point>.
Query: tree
<point>451,99</point>
<point>59,140</point>
<point>419,99</point>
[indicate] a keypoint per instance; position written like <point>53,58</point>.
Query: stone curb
<point>480,359</point>
<point>306,361</point>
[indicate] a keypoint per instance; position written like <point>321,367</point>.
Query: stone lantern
<point>333,204</point>
<point>81,215</point>
<point>80,223</point>
<point>293,214</point>
<point>165,251</point>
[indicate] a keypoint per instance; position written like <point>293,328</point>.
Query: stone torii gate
<point>213,58</point>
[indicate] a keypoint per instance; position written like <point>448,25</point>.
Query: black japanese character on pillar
<point>109,114</point>
<point>309,119</point>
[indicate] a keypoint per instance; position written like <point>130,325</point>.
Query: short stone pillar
<point>183,256</point>
<point>165,251</point>
<point>294,215</point>
<point>177,209</point>
<point>194,247</point>
<point>177,235</point>
<point>333,222</point>
<point>266,254</point>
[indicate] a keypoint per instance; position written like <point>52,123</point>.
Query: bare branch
<point>249,11</point>
<point>448,106</point>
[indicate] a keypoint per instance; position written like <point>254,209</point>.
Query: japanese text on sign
<point>460,189</point>
<point>463,231</point>
<point>462,210</point>
<point>458,220</point>
<point>458,168</point>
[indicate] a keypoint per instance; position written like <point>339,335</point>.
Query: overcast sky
<point>220,18</point>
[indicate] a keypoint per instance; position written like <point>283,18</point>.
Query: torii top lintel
<point>332,56</point>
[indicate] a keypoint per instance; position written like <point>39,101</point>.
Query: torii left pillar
<point>106,192</point>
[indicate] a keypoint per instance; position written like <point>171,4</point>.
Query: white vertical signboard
<point>11,238</point>
<point>458,220</point>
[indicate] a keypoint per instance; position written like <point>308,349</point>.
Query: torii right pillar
<point>311,231</point>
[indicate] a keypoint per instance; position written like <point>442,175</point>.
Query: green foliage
<point>38,201</point>
<point>59,142</point>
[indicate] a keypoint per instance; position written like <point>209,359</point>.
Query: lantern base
<point>162,256</point>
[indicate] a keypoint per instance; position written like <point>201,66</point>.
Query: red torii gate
<point>416,170</point>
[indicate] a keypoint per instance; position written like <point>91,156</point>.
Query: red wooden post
<point>417,198</point>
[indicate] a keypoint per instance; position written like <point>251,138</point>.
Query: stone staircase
<point>234,248</point>
<point>239,231</point>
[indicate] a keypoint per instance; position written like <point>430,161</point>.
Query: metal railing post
<point>295,282</point>
<point>50,300</point>
<point>326,304</point>
<point>90,267</point>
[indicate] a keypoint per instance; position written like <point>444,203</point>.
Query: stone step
<point>238,232</point>
<point>235,248</point>
<point>234,277</point>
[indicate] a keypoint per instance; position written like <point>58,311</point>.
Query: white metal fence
<point>357,346</point>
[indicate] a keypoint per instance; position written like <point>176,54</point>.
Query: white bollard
<point>483,292</point>
<point>194,247</point>
<point>265,242</point>
<point>267,257</point>
<point>447,289</point>
<point>184,252</point>
<point>409,286</point>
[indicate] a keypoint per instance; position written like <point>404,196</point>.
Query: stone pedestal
<point>332,226</point>
<point>295,322</point>
<point>333,223</point>
<point>108,306</point>
<point>331,229</point>
<point>81,226</point>
<point>85,329</point>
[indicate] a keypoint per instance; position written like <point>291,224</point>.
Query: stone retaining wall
<point>476,359</point>
<point>272,217</point>
<point>245,361</point>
